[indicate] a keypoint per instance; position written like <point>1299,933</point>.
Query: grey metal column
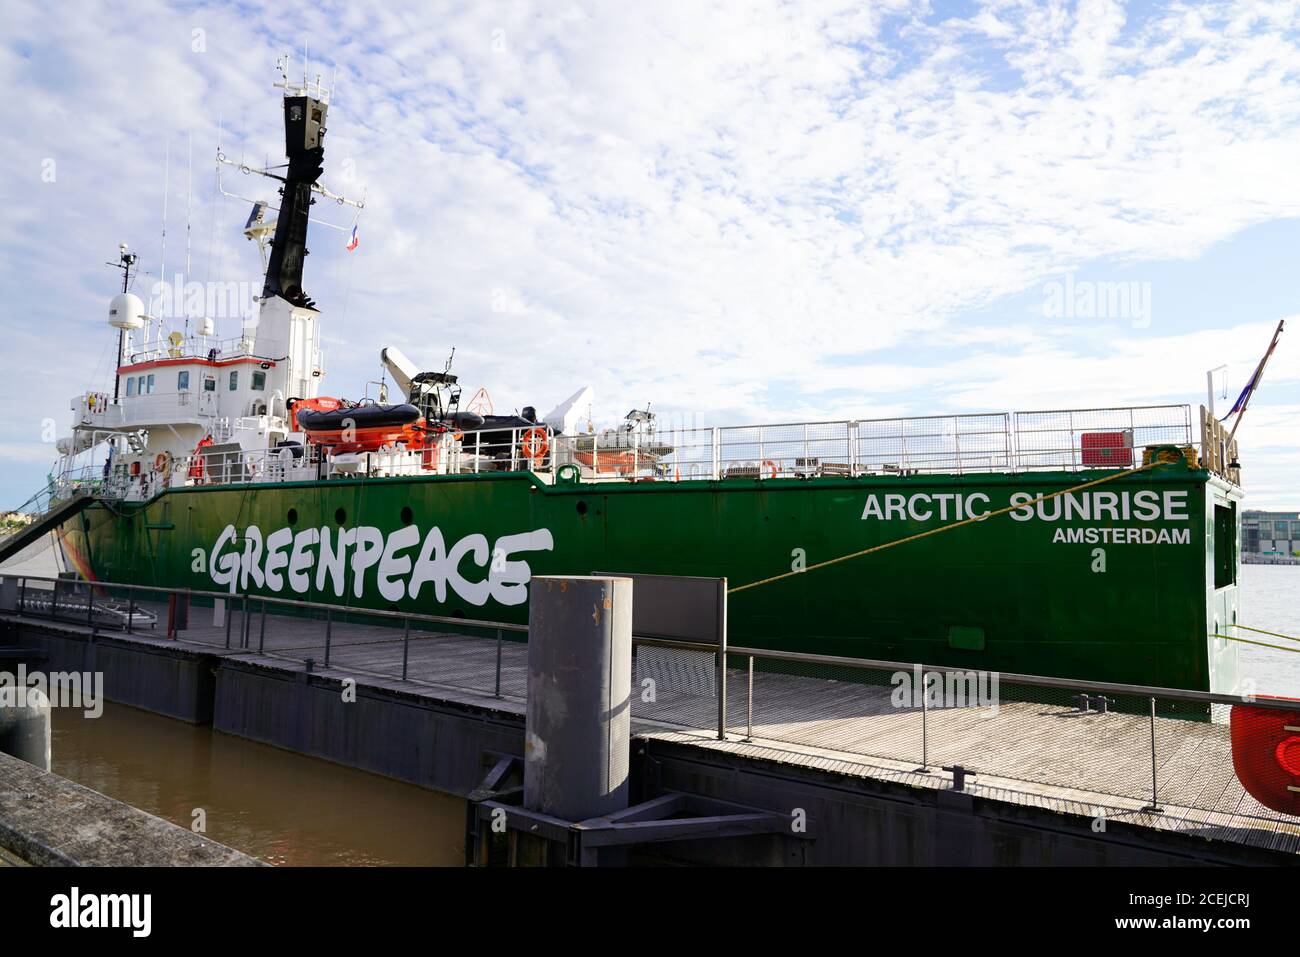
<point>579,710</point>
<point>25,724</point>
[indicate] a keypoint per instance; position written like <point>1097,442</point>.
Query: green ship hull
<point>1129,581</point>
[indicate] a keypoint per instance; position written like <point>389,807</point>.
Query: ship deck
<point>1041,754</point>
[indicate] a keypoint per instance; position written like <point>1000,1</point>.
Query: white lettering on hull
<point>402,562</point>
<point>1146,505</point>
<point>1122,536</point>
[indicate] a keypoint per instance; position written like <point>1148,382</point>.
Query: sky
<point>737,212</point>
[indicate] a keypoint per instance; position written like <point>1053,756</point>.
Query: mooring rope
<point>1272,634</point>
<point>942,528</point>
<point>1262,644</point>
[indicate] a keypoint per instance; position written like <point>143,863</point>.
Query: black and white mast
<point>305,107</point>
<point>124,262</point>
<point>304,144</point>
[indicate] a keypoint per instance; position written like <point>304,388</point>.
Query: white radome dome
<point>126,311</point>
<point>206,326</point>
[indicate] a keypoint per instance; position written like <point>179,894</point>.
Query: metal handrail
<point>1011,442</point>
<point>289,602</point>
<point>1044,681</point>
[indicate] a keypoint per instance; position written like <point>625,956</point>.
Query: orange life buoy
<point>160,463</point>
<point>533,446</point>
<point>769,464</point>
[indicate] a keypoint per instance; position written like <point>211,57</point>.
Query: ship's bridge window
<point>151,383</point>
<point>130,386</point>
<point>259,380</point>
<point>209,383</point>
<point>234,380</point>
<point>183,381</point>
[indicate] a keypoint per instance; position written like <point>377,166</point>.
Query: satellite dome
<point>126,311</point>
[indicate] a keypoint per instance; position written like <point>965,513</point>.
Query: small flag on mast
<point>1243,399</point>
<point>354,241</point>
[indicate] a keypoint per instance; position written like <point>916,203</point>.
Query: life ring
<point>533,446</point>
<point>160,462</point>
<point>769,464</point>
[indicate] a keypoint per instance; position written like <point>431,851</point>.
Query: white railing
<point>975,443</point>
<point>195,347</point>
<point>953,444</point>
<point>1064,440</point>
<point>487,450</point>
<point>99,410</point>
<point>1098,438</point>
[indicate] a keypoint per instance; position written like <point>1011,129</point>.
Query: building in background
<point>1270,533</point>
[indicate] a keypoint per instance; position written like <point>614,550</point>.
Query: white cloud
<point>678,202</point>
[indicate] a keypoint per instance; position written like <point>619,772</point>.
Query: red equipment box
<point>1107,449</point>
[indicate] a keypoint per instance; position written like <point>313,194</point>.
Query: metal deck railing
<point>1055,440</point>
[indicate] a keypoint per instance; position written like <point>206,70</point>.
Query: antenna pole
<point>189,197</point>
<point>1209,387</point>
<point>162,263</point>
<point>125,261</point>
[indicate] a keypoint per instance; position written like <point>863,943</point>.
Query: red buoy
<point>1266,754</point>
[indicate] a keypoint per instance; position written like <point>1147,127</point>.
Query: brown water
<point>275,805</point>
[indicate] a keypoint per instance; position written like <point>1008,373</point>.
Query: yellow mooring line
<point>943,528</point>
<point>1272,634</point>
<point>1262,644</point>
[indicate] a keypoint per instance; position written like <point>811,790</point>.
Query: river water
<point>282,807</point>
<point>1270,599</point>
<point>289,809</point>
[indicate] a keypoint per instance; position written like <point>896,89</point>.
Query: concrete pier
<point>46,820</point>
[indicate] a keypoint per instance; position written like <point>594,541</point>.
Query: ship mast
<point>305,107</point>
<point>125,261</point>
<point>304,143</point>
